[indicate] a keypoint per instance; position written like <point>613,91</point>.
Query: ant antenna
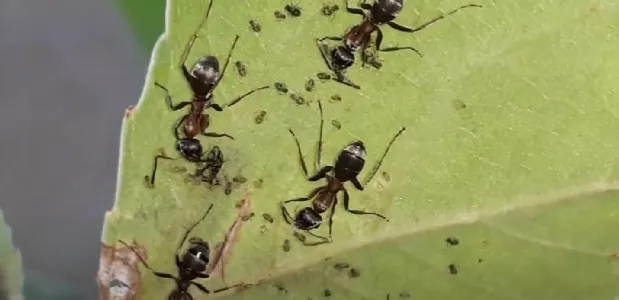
<point>426,24</point>
<point>192,227</point>
<point>194,36</point>
<point>319,155</point>
<point>236,38</point>
<point>140,257</point>
<point>380,162</point>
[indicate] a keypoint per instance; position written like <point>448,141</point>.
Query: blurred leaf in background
<point>146,19</point>
<point>11,269</point>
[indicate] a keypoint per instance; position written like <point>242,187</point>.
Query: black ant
<point>191,265</point>
<point>348,165</point>
<point>381,12</point>
<point>204,77</point>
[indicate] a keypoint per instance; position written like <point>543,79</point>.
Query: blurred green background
<point>146,18</point>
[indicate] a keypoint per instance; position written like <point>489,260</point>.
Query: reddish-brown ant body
<point>203,78</point>
<point>358,38</point>
<point>348,166</point>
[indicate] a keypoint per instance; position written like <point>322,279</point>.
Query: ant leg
<point>331,216</point>
<point>309,197</point>
<point>223,71</point>
<point>365,5</point>
<point>380,162</point>
<point>303,165</point>
<point>235,101</point>
<point>201,287</point>
<point>322,46</point>
<point>358,212</point>
<point>324,239</point>
<point>319,151</point>
<point>169,99</point>
<point>287,217</point>
<point>321,174</point>
<point>341,78</point>
<point>231,287</point>
<point>355,11</point>
<point>189,44</point>
<point>203,275</point>
<point>215,106</point>
<point>180,245</point>
<point>158,274</point>
<point>356,183</point>
<point>154,172</point>
<point>379,40</point>
<point>403,28</point>
<point>213,134</point>
<point>178,125</point>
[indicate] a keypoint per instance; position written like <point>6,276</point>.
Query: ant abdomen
<point>308,219</point>
<point>342,57</point>
<point>190,149</point>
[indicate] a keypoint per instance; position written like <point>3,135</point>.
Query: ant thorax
<point>350,44</point>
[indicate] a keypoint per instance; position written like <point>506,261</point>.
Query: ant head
<point>215,155</point>
<point>191,149</point>
<point>308,219</point>
<point>343,56</point>
<point>197,256</point>
<point>180,295</point>
<point>387,8</point>
<point>206,70</point>
<point>357,149</point>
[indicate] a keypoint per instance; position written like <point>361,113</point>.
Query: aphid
<point>213,162</point>
<point>293,10</point>
<point>247,217</point>
<point>323,76</point>
<point>386,176</point>
<point>280,287</point>
<point>260,117</point>
<point>281,87</point>
<point>203,78</point>
<point>191,265</point>
<point>453,270</point>
<point>297,99</point>
<point>267,217</point>
<point>329,9</point>
<point>310,85</point>
<point>348,165</point>
<point>240,68</point>
<point>371,59</point>
<point>405,295</point>
<point>341,266</point>
<point>239,179</point>
<point>335,98</point>
<point>299,236</point>
<point>327,293</point>
<point>258,183</point>
<point>452,241</point>
<point>255,26</point>
<point>279,15</point>
<point>286,245</point>
<point>381,12</point>
<point>354,273</point>
<point>228,188</point>
<point>336,124</point>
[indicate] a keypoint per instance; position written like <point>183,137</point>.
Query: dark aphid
<point>258,183</point>
<point>239,179</point>
<point>299,236</point>
<point>190,266</point>
<point>203,78</point>
<point>336,124</point>
<point>341,266</point>
<point>323,76</point>
<point>247,217</point>
<point>371,59</point>
<point>405,295</point>
<point>279,15</point>
<point>329,9</point>
<point>335,98</point>
<point>281,87</point>
<point>255,26</point>
<point>327,293</point>
<point>386,176</point>
<point>213,161</point>
<point>293,10</point>
<point>281,288</point>
<point>453,270</point>
<point>479,260</point>
<point>240,68</point>
<point>358,38</point>
<point>310,85</point>
<point>228,188</point>
<point>267,217</point>
<point>452,241</point>
<point>297,99</point>
<point>260,116</point>
<point>286,245</point>
<point>354,273</point>
<point>348,165</point>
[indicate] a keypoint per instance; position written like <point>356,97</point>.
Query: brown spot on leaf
<point>223,251</point>
<point>130,111</point>
<point>118,277</point>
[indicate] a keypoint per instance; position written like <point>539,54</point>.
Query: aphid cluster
<point>206,75</point>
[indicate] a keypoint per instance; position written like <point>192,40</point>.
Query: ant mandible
<point>382,12</point>
<point>191,265</point>
<point>204,77</point>
<point>348,165</point>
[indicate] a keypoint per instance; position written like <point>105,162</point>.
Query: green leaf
<point>510,147</point>
<point>11,270</point>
